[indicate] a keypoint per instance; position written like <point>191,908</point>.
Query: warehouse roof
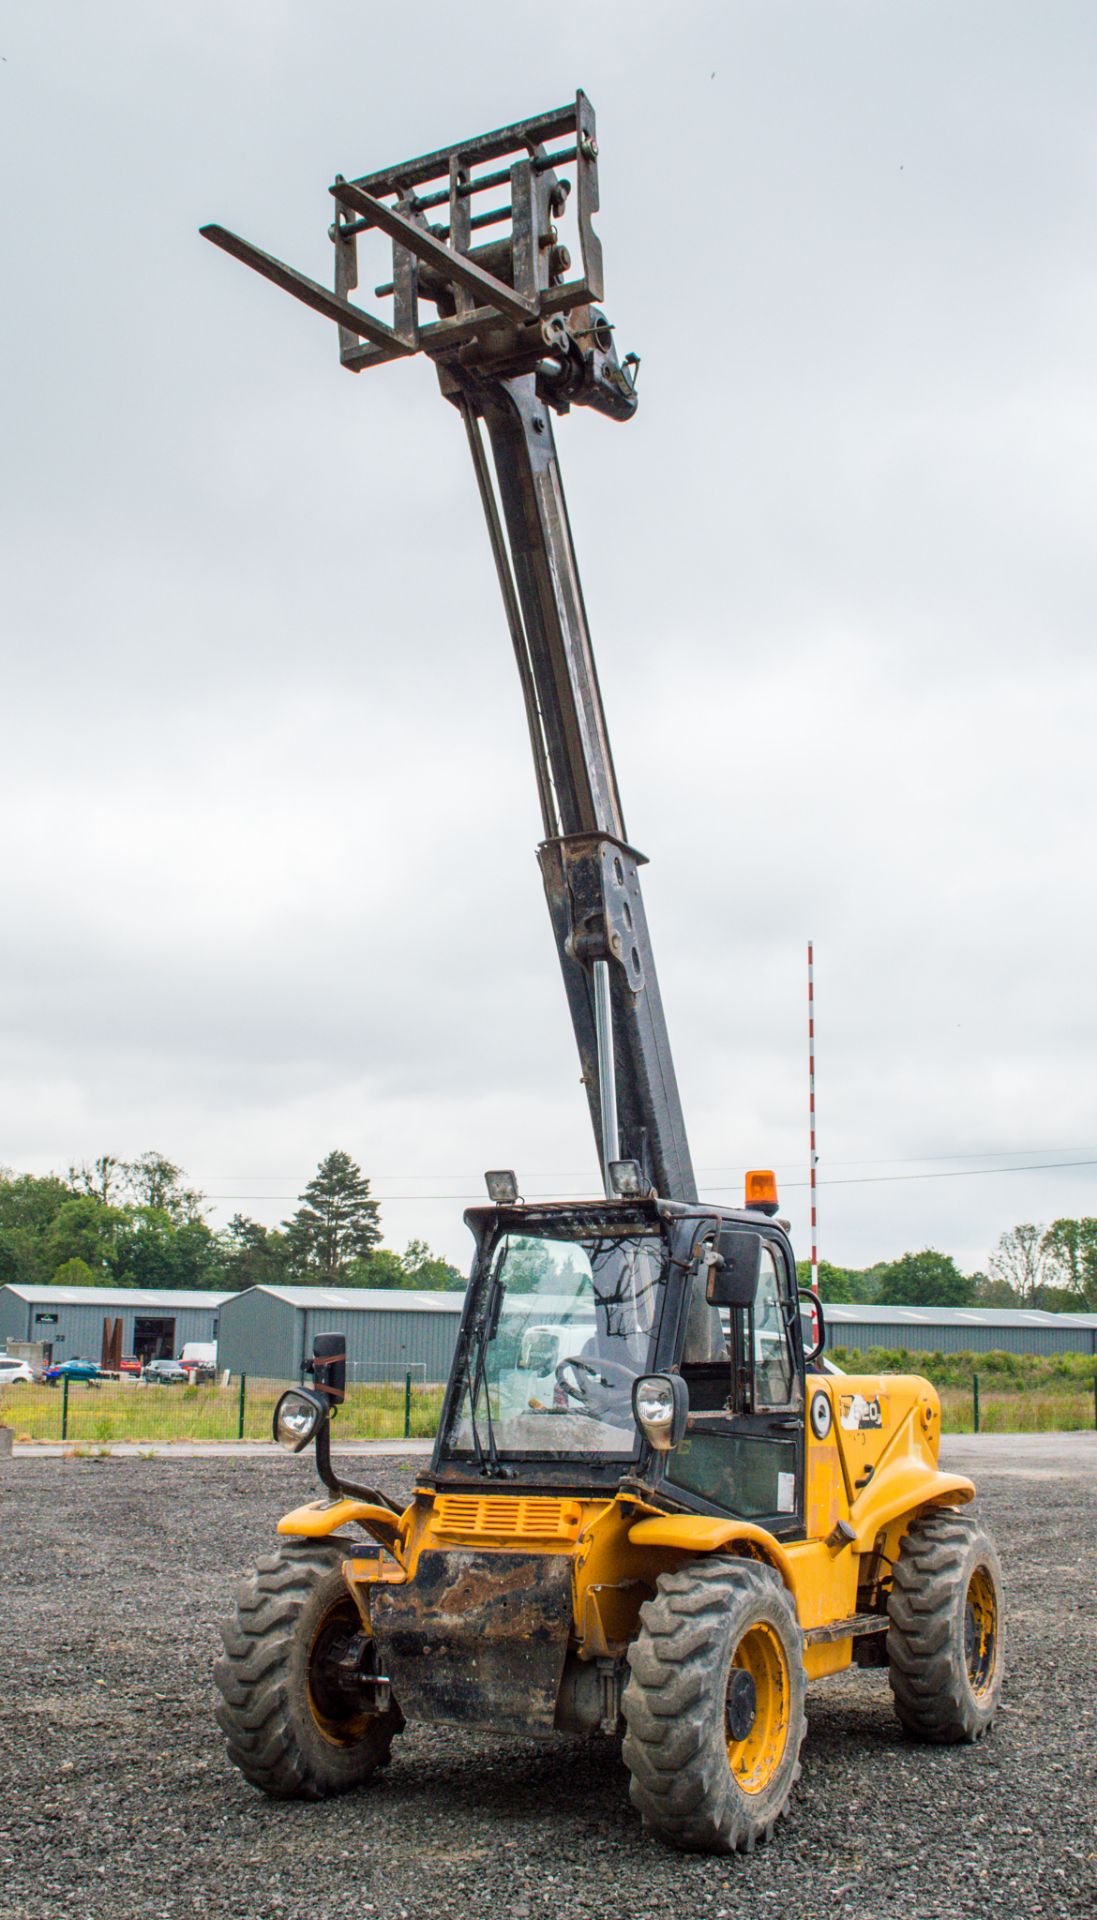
<point>117,1296</point>
<point>860,1313</point>
<point>367,1299</point>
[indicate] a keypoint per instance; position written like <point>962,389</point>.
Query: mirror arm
<point>347,1489</point>
<point>819,1348</point>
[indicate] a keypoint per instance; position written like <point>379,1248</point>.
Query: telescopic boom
<point>516,341</point>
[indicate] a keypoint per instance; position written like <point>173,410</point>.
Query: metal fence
<point>386,1406</point>
<point>383,1405</point>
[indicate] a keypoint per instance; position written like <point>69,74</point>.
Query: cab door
<point>746,1456</point>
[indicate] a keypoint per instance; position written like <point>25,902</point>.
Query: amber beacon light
<point>761,1191</point>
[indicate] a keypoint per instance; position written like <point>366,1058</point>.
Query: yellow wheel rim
<point>760,1696</point>
<point>981,1631</point>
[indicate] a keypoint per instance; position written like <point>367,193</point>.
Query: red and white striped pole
<point>814,1162</point>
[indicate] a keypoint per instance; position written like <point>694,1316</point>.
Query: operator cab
<point>631,1341</point>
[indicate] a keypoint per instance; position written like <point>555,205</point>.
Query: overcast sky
<point>268,880</point>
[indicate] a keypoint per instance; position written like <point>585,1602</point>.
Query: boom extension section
<point>515,340</point>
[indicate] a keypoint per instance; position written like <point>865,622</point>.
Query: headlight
<point>660,1402</point>
<point>298,1418</point>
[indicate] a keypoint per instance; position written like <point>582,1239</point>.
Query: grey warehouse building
<point>74,1322</point>
<point>268,1331</point>
<point>960,1329</point>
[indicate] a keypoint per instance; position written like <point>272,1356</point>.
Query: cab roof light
<point>761,1191</point>
<point>502,1186</point>
<point>627,1179</point>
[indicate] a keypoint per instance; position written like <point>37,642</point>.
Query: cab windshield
<point>564,1327</point>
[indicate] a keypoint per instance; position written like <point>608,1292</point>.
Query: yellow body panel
<point>878,1461</point>
<point>827,1656</point>
<point>693,1533</point>
<point>871,1469</point>
<point>322,1517</point>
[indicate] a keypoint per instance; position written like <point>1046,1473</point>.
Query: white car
<point>13,1371</point>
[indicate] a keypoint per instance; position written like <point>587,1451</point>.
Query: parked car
<point>129,1363</point>
<point>14,1371</point>
<point>165,1373</point>
<point>71,1370</point>
<point>199,1357</point>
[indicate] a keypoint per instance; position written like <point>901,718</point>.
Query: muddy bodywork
<point>484,1604</point>
<point>477,1637</point>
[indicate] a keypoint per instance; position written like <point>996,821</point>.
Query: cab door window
<point>775,1382</point>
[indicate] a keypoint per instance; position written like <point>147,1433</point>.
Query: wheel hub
<point>742,1703</point>
<point>345,1689</point>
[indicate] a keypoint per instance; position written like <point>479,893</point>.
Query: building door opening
<point>111,1351</point>
<point>153,1339</point>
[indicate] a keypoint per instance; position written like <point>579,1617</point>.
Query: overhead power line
<point>584,1173</point>
<point>948,1173</point>
<point>860,1180</point>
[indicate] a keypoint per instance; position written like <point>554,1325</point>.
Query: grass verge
<point>102,1412</point>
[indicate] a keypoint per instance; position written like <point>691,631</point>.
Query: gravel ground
<point>116,1797</point>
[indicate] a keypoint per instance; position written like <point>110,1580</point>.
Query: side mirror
<point>329,1366</point>
<point>734,1271</point>
<point>299,1417</point>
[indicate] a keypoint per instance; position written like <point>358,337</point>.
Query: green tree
<point>76,1273</point>
<point>422,1268</point>
<point>153,1181</point>
<point>1070,1248</point>
<point>381,1267</point>
<point>841,1284</point>
<point>254,1255</point>
<point>336,1223</point>
<point>84,1229</point>
<point>154,1252</point>
<point>1020,1258</point>
<point>835,1283</point>
<point>992,1291</point>
<point>103,1179</point>
<point>416,1267</point>
<point>926,1279</point>
<point>28,1203</point>
<point>29,1200</point>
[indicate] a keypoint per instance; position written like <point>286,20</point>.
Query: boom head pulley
<point>502,305</point>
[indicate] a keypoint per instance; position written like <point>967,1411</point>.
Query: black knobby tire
<point>698,1787</point>
<point>946,1643</point>
<point>289,1731</point>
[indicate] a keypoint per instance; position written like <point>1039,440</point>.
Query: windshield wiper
<point>483,1332</point>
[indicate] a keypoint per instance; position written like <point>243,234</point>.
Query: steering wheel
<point>603,1373</point>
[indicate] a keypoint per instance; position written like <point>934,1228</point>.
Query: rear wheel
<point>295,1680</point>
<point>714,1706</point>
<point>946,1643</point>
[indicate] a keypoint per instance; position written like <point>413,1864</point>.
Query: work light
<point>627,1179</point>
<point>502,1186</point>
<point>298,1417</point>
<point>660,1402</point>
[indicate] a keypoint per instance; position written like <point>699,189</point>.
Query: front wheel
<point>946,1642</point>
<point>714,1706</point>
<point>296,1702</point>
